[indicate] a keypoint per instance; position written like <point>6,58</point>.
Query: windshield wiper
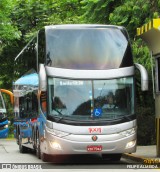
<point>126,117</point>
<point>58,112</point>
<point>59,119</point>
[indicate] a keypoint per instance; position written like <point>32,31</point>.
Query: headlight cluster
<point>57,132</point>
<point>6,126</point>
<point>130,144</point>
<point>55,145</point>
<point>129,132</point>
<point>3,127</point>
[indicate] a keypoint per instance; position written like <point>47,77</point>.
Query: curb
<point>134,157</point>
<point>7,138</point>
<point>141,159</point>
<point>10,138</point>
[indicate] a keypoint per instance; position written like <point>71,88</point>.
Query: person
<point>58,104</point>
<point>110,101</point>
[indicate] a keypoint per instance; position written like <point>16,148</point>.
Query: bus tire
<point>33,139</point>
<point>38,149</point>
<point>44,157</point>
<point>17,135</point>
<point>22,149</point>
<point>17,139</point>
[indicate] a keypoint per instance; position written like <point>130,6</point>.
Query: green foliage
<point>131,14</point>
<point>98,11</point>
<point>32,15</point>
<point>8,31</point>
<point>24,18</point>
<point>146,125</point>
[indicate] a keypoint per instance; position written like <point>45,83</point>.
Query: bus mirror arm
<point>144,76</point>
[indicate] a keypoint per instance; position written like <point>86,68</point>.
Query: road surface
<point>11,158</point>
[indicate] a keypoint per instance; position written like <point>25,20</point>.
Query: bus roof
<point>81,26</point>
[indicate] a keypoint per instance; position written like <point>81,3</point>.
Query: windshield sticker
<point>97,112</point>
<point>71,83</point>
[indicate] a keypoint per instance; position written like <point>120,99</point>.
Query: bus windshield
<point>89,48</point>
<point>1,102</point>
<point>90,99</point>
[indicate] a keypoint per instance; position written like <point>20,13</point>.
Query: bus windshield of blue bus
<point>86,99</point>
<point>89,48</point>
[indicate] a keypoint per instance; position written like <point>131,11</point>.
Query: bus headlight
<point>6,126</point>
<point>130,144</point>
<point>129,132</point>
<point>55,145</point>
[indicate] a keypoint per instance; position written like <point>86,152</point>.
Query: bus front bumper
<point>103,145</point>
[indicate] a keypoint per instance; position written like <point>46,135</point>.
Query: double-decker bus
<point>74,92</point>
<point>4,130</point>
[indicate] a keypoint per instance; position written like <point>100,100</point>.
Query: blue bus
<point>3,118</point>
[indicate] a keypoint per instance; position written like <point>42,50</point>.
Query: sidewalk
<point>144,154</point>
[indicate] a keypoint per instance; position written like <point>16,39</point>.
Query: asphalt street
<point>13,159</point>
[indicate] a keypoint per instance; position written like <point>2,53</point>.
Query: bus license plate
<point>94,148</point>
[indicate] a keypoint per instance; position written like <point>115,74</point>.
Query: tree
<point>98,11</point>
<point>32,15</point>
<point>8,31</point>
<point>24,18</point>
<point>131,14</point>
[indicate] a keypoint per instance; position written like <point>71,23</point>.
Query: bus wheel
<point>44,157</point>
<point>38,150</point>
<point>33,139</point>
<point>17,135</point>
<point>17,139</point>
<point>112,157</point>
<point>22,149</point>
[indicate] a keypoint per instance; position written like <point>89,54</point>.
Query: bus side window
<point>34,102</point>
<point>22,108</point>
<point>43,102</point>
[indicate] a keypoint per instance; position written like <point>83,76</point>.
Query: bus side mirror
<point>144,76</point>
<point>42,78</point>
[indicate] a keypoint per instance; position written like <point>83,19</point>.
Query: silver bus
<point>74,92</point>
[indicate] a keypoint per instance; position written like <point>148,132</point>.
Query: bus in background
<point>3,114</point>
<point>74,92</point>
